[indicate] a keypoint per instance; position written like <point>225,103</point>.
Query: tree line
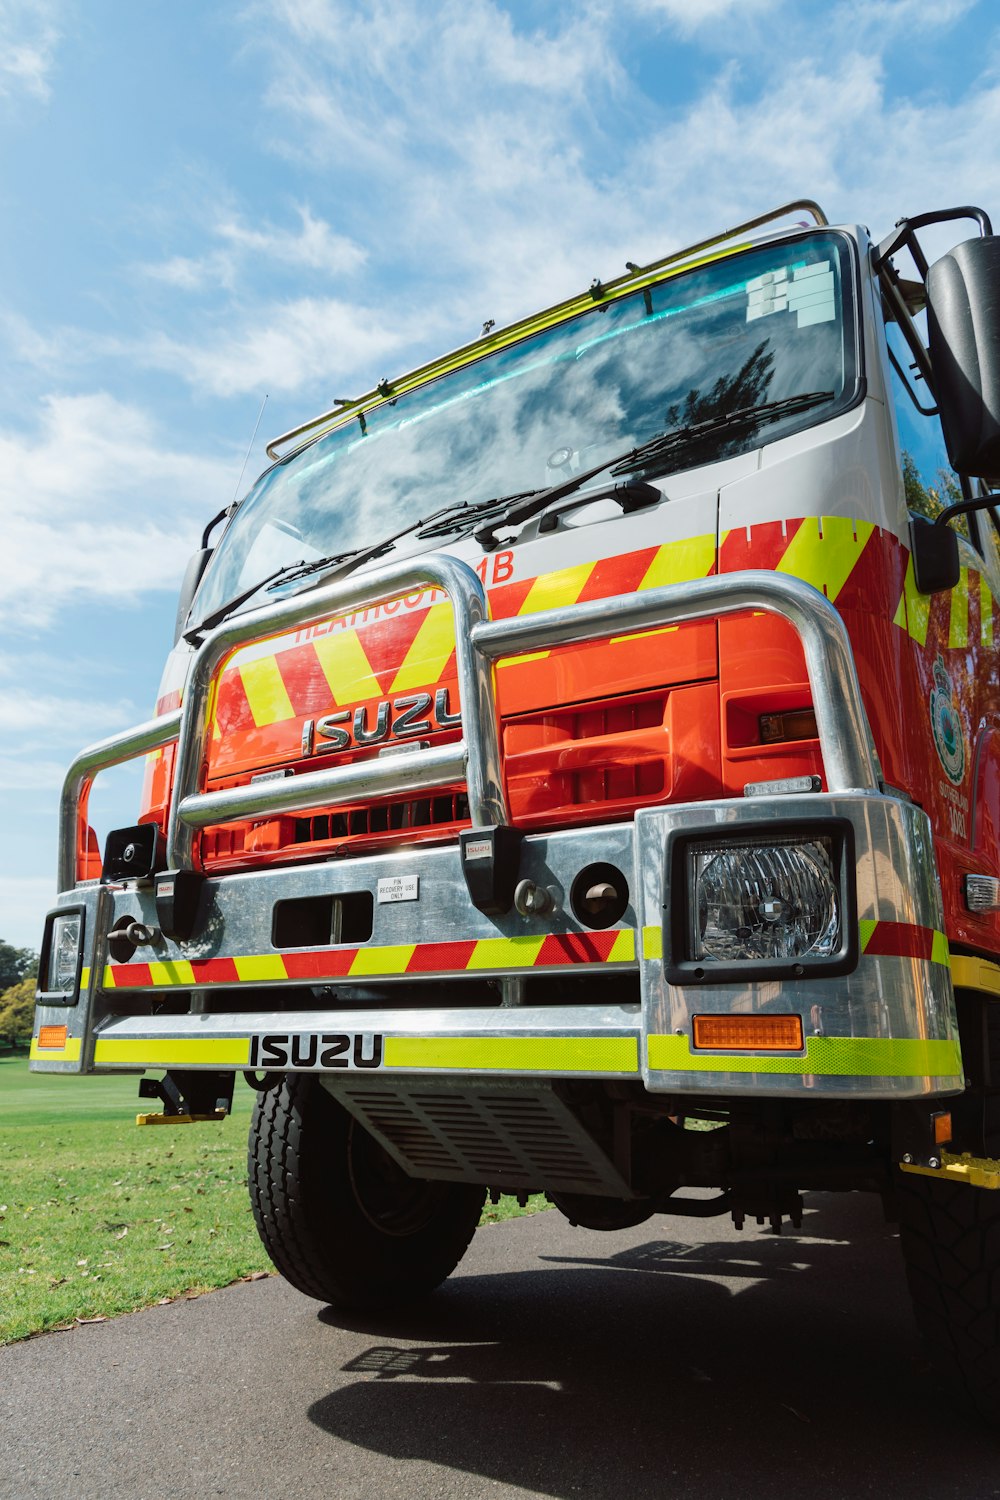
<point>18,972</point>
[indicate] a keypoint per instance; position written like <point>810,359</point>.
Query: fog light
<point>763,901</point>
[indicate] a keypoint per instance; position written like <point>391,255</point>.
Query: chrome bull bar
<point>842,726</point>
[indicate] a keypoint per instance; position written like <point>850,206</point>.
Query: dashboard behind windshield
<point>741,331</point>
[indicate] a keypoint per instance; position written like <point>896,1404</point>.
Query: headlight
<point>63,957</point>
<point>778,901</point>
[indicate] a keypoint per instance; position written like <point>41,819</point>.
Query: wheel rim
<point>393,1203</point>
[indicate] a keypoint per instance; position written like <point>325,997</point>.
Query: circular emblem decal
<point>946,725</point>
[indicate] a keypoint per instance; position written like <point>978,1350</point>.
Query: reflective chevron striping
<point>825,551</point>
<point>266,692</point>
<point>616,945</point>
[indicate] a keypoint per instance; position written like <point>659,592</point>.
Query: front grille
<point>558,765</point>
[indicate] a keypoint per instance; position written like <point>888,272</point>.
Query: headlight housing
<point>765,903</point>
<point>61,958</point>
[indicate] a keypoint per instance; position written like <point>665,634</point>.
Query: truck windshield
<point>744,331</point>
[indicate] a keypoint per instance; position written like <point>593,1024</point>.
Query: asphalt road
<point>555,1362</point>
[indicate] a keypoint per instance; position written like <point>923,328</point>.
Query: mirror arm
<point>964,507</point>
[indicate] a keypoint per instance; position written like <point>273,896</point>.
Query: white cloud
<point>23,902</point>
<point>692,15</point>
<point>97,505</point>
<point>313,246</point>
<point>310,339</point>
<point>27,710</point>
<point>28,40</point>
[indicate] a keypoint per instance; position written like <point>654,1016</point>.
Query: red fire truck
<point>578,769</point>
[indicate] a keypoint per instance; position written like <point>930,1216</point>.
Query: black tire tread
<point>950,1236</point>
<point>308,1219</point>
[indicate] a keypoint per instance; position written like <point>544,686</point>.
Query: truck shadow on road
<point>786,1366</point>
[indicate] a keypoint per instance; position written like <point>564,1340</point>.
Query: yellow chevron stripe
<point>623,948</point>
<point>958,625</point>
<point>985,612</point>
<point>392,959</point>
<point>515,1054</point>
<point>844,1056</point>
<point>266,694</point>
<point>677,562</point>
<point>556,590</point>
<point>346,667</point>
<point>505,953</point>
<point>913,612</point>
<point>825,551</point>
<point>429,652</point>
<point>174,971</point>
<point>258,967</point>
<point>940,953</point>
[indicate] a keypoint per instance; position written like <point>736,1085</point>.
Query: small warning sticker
<point>399,888</point>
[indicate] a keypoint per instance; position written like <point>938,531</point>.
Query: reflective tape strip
<point>975,974</point>
<point>503,953</point>
<point>389,960</point>
<point>556,590</point>
<point>346,667</point>
<point>677,562</point>
<point>260,967</point>
<point>84,979</point>
<point>913,612</point>
<point>515,1054</point>
<point>68,1052</point>
<point>266,692</point>
<point>430,652</point>
<point>958,621</point>
<point>172,1052</point>
<point>175,971</point>
<point>903,940</point>
<point>985,612</point>
<point>825,551</point>
<point>841,1056</point>
<point>652,942</point>
<point>615,945</point>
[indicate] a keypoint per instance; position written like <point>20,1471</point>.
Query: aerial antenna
<point>253,436</point>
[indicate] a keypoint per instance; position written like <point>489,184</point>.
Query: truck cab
<point>578,770</point>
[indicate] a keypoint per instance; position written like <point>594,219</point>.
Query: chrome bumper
<point>884,1029</point>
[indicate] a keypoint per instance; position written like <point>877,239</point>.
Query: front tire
<point>950,1236</point>
<point>339,1218</point>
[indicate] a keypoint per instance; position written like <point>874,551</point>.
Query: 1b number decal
<point>313,1049</point>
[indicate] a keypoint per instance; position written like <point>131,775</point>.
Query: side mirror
<point>934,550</point>
<point>963,324</point>
<point>193,574</point>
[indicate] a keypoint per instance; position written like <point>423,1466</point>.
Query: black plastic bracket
<point>177,893</point>
<point>491,864</point>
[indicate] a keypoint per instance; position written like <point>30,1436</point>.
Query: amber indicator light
<point>942,1127</point>
<point>52,1036</point>
<point>754,1033</point>
<point>796,724</point>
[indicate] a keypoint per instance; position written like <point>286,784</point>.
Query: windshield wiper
<point>646,456</point>
<point>665,444</point>
<point>438,523</point>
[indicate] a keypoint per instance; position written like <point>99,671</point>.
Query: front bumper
<point>230,999</point>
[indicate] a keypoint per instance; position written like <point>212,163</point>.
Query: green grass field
<point>98,1217</point>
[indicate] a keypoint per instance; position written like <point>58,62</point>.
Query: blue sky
<point>205,202</point>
